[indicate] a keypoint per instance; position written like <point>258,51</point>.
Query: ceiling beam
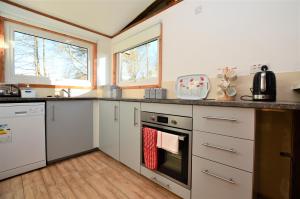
<point>154,9</point>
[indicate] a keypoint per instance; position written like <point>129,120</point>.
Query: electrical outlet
<point>255,68</point>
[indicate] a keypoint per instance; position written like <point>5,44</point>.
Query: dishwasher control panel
<point>22,109</point>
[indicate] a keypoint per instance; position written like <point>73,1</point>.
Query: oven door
<point>176,167</point>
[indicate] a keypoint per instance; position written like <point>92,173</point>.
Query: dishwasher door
<point>22,138</point>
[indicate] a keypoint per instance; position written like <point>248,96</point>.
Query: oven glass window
<point>175,165</point>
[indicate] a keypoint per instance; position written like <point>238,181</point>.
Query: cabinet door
<point>130,136</point>
<point>69,128</point>
<point>109,128</point>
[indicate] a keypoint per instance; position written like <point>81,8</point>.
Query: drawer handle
<point>229,180</point>
<point>21,113</point>
<point>167,186</point>
<point>220,118</point>
<point>231,150</point>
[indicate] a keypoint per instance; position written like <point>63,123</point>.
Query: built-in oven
<point>176,167</point>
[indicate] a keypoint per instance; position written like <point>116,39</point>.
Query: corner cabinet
<point>130,135</point>
<point>69,128</point>
<point>109,126</point>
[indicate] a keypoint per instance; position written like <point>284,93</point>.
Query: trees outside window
<point>45,58</point>
<point>41,57</point>
<point>139,65</point>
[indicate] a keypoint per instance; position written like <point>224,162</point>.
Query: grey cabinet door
<point>109,128</point>
<point>130,135</point>
<point>69,128</point>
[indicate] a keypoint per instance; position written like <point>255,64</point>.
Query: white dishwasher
<point>22,138</point>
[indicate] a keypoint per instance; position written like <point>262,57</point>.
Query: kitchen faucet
<point>67,91</point>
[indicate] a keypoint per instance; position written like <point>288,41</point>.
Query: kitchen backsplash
<point>44,92</point>
<point>243,85</point>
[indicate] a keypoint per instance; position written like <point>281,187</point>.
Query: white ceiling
<point>105,16</point>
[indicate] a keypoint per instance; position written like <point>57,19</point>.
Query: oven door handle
<point>187,132</point>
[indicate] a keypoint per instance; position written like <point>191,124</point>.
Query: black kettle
<point>264,85</point>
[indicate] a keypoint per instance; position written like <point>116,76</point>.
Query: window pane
<point>153,59</point>
<point>40,57</point>
<point>139,63</point>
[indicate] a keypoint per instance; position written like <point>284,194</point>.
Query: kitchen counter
<point>212,102</point>
<point>42,99</point>
<point>242,104</point>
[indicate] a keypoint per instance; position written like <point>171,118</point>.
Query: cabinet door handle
<point>115,113</point>
<point>231,150</point>
<point>167,186</point>
<point>229,180</point>
<point>135,122</point>
<point>220,118</point>
<point>53,113</point>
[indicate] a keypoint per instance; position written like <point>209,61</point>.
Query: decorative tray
<point>192,87</point>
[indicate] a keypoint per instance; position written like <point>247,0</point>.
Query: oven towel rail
<point>168,142</point>
<point>150,149</point>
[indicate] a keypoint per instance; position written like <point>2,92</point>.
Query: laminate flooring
<point>93,175</point>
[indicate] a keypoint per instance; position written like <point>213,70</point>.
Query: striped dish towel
<point>150,149</point>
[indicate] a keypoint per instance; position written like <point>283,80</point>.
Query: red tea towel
<point>150,149</point>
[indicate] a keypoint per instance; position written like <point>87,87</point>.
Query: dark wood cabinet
<point>277,157</point>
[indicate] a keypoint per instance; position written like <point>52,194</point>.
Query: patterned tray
<point>192,87</point>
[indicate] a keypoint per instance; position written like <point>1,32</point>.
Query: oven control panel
<point>167,120</point>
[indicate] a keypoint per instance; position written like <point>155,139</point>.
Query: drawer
<point>235,122</point>
<point>211,180</point>
<point>231,151</point>
<point>166,183</point>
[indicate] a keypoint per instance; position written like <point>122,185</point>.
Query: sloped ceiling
<point>105,16</point>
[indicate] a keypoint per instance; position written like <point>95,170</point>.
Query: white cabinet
<point>109,127</point>
<point>216,181</point>
<point>231,151</point>
<point>234,122</point>
<point>130,135</point>
<point>223,152</point>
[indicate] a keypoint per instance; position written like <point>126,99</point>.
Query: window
<point>137,58</point>
<point>139,65</point>
<point>40,57</point>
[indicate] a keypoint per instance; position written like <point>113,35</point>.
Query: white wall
<point>298,32</point>
<point>202,36</point>
<point>104,44</point>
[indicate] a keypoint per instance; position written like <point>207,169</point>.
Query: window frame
<point>138,84</point>
<point>10,26</point>
<point>2,50</point>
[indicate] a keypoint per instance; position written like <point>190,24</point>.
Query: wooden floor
<point>94,175</point>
